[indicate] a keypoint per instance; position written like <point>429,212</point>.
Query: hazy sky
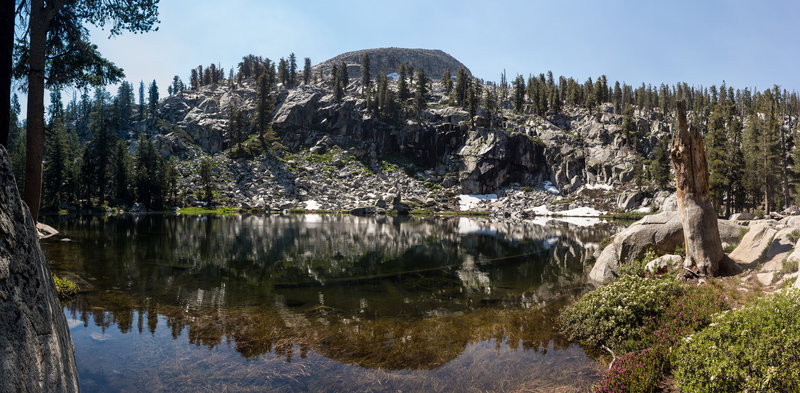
<point>745,43</point>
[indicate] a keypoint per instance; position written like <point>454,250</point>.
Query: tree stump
<point>704,254</point>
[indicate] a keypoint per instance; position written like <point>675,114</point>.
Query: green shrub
<point>650,357</point>
<point>753,349</point>
<point>636,267</point>
<point>66,289</point>
<point>794,235</point>
<point>614,314</point>
<point>789,266</point>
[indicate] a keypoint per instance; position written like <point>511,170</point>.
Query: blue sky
<point>745,43</point>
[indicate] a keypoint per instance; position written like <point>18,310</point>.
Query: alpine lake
<point>324,303</point>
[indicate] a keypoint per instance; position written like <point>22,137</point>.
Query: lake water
<point>323,303</point>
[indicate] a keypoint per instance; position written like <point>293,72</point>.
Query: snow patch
<point>312,205</point>
<point>598,186</point>
<point>549,187</point>
<point>469,201</point>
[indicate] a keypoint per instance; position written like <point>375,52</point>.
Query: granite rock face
<point>36,351</point>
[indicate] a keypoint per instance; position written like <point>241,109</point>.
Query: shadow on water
<point>324,303</point>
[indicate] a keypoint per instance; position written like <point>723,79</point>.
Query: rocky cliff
<point>387,60</point>
<point>36,351</point>
<point>341,155</point>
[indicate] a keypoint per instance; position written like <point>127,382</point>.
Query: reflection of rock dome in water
<point>384,292</point>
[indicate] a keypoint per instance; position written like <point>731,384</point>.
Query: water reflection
<point>331,292</point>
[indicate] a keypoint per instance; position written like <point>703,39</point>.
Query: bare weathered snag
<point>704,254</point>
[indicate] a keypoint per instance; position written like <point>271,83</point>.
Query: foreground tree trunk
<point>7,49</point>
<point>704,255</point>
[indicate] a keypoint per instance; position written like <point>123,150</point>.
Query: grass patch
<point>794,235</point>
<point>626,216</point>
<point>221,211</point>
<point>65,288</point>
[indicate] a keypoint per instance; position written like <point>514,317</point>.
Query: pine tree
<point>124,105</point>
<point>264,107</point>
<point>283,72</point>
<point>16,143</point>
<point>365,73</point>
<point>344,77</point>
<point>658,166</point>
<point>206,178</point>
<point>153,99</point>
<point>122,167</point>
<point>102,143</point>
<point>519,94</point>
<point>149,172</point>
<point>717,155</point>
<point>141,101</point>
<point>461,87</point>
<point>193,80</point>
<point>491,105</point>
<point>447,82</point>
<point>292,70</point>
<point>402,85</point>
<point>472,103</point>
<point>420,93</point>
<point>306,70</point>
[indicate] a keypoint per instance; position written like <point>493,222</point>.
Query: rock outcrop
<point>387,60</point>
<point>662,232</point>
<point>36,351</point>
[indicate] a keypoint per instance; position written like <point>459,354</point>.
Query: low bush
<point>651,355</point>
<point>66,289</point>
<point>752,349</point>
<point>614,314</point>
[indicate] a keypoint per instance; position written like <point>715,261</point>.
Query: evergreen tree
<point>629,128</point>
<point>149,172</point>
<point>16,143</point>
<point>56,156</point>
<point>264,107</point>
<point>491,106</point>
<point>462,80</point>
<point>658,166</point>
<point>344,77</point>
<point>153,99</point>
<point>141,100</point>
<point>716,145</point>
<point>193,80</point>
<point>292,70</point>
<point>336,86</point>
<point>124,105</point>
<point>472,103</point>
<point>206,178</point>
<point>402,85</point>
<point>421,92</point>
<point>101,145</point>
<point>519,94</point>
<point>365,73</point>
<point>447,82</point>
<point>306,70</point>
<point>122,167</point>
<point>283,72</point>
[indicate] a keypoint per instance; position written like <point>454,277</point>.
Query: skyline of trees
<point>741,127</point>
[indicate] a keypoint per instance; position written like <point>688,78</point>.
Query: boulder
<point>629,199</point>
<point>664,264</point>
<point>754,245</point>
<point>662,232</point>
<point>742,216</point>
<point>36,351</point>
<point>779,249</point>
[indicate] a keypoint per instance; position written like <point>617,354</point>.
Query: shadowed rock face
<point>36,351</point>
<point>386,60</point>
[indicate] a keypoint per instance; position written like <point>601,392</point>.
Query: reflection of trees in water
<point>381,291</point>
<point>390,343</point>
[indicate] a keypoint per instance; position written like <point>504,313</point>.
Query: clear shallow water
<point>323,303</point>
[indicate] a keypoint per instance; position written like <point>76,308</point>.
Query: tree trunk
<point>38,24</point>
<point>7,49</point>
<point>704,255</point>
